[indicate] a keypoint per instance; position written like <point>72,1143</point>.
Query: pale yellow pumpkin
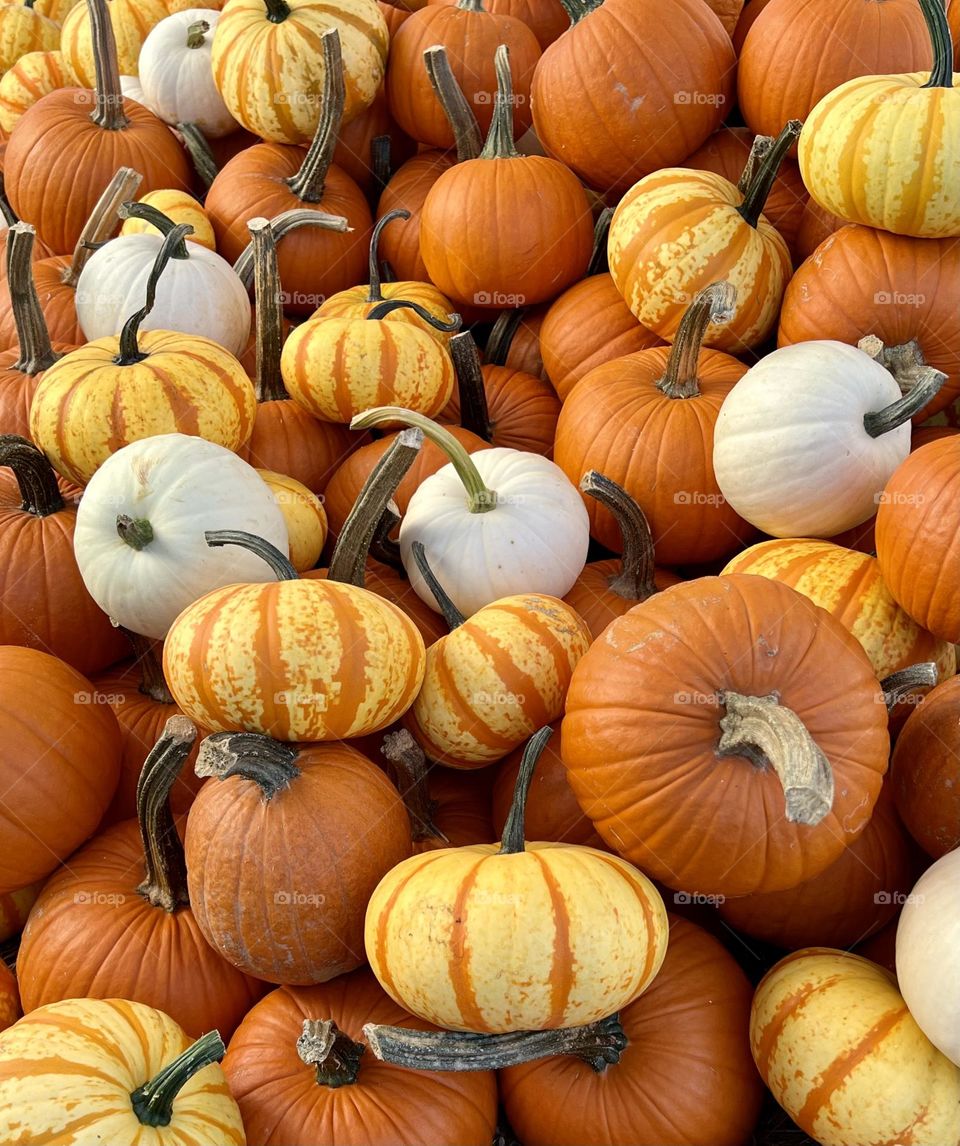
<point>305,517</point>
<point>179,206</point>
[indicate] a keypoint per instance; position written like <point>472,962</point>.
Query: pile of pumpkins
<point>478,552</point>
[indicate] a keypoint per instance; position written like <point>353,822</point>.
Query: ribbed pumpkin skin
<point>676,232</point>
<point>258,65</point>
<point>303,513</point>
<point>686,1075</point>
<point>407,190</point>
<point>59,768</point>
<point>68,1070</point>
<point>862,281</point>
<point>338,367</point>
<point>671,475</point>
<point>849,586</point>
<point>592,597</point>
<point>296,660</point>
<point>391,586</point>
<point>86,408</point>
<point>834,1041</point>
<point>554,936</point>
<point>354,303</point>
<point>604,96</point>
<point>859,158</point>
<point>91,935</point>
<point>546,18</point>
<point>57,301</point>
<point>915,517</point>
<point>33,76</point>
<point>523,410</point>
<point>288,440</point>
<point>180,207</point>
<point>496,679</point>
<point>281,1102</point>
<point>55,147</point>
<point>298,917</point>
<point>353,151</point>
<point>23,30</point>
<point>132,21</point>
<point>642,723</point>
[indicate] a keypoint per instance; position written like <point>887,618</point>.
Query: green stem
<point>941,75</point>
<point>135,532</point>
<point>277,10</point>
<point>451,614</point>
<point>500,143</point>
<point>755,196</point>
<point>879,422</point>
<point>200,154</point>
<point>335,1055</point>
<point>272,766</point>
<point>598,264</point>
<point>108,111</point>
<point>103,221</point>
<point>512,841</point>
<point>129,348</point>
<point>163,223</point>
<point>283,224</point>
<point>714,304</point>
<point>33,337</point>
<point>196,33</point>
<point>382,309</point>
<point>474,411</point>
<point>375,293</point>
<point>309,181</point>
<point>479,498</point>
<point>35,476</point>
<point>153,1102</point>
<point>467,136</point>
<point>635,581</point>
<point>280,565</point>
<point>269,315</point>
<point>165,885</point>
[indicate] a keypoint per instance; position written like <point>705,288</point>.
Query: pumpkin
<point>612,107</point>
<point>816,224</point>
<point>304,516</point>
<point>407,191</point>
<point>360,147</point>
<point>926,942</point>
<point>33,76</point>
<point>179,207</point>
<point>60,766</point>
<point>10,1009</point>
<point>537,196</point>
<point>914,515</point>
<point>126,1072</point>
<point>269,179</point>
<point>293,1086</point>
<point>135,386</point>
<point>493,525</point>
<point>669,399</point>
<point>15,907</point>
<point>849,586</point>
<point>487,940</point>
<point>268,67</point>
<point>807,439</point>
<point>658,716</point>
<point>23,30</point>
<point>924,771</point>
<point>679,230</point>
<point>684,1076</point>
<point>131,24</point>
<point>302,915</point>
<point>833,1039</point>
<point>547,19</point>
<point>471,35</point>
<point>883,181</point>
<point>199,293</point>
<point>55,10</point>
<point>861,282</point>
<point>75,141</point>
<point>122,902</point>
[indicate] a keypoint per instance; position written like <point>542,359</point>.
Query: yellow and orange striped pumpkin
<point>55,10</point>
<point>304,515</point>
<point>834,1041</point>
<point>80,1071</point>
<point>132,22</point>
<point>179,206</point>
<point>23,30</point>
<point>33,76</point>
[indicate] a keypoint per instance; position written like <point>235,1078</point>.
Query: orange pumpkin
<point>546,18</point>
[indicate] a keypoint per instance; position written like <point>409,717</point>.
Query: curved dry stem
<point>410,767</point>
<point>267,762</point>
<point>899,685</point>
<point>635,582</point>
<point>466,131</point>
<point>165,885</point>
<point>335,1055</point>
<point>714,304</point>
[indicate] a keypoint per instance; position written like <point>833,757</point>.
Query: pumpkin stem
<point>451,614</point>
<point>277,10</point>
<point>156,218</point>
<point>102,222</point>
<point>578,9</point>
<point>411,768</point>
<point>474,411</point>
<point>9,215</point>
<point>502,334</point>
<point>598,264</point>
<point>941,75</point>
<point>771,735</point>
<point>153,1102</point>
<point>336,1055</point>
<point>714,304</point>
<point>196,33</point>
<point>136,532</point>
<point>251,755</point>
<point>382,309</point>
<point>755,196</point>
<point>759,150</point>
<point>466,131</point>
<point>308,182</point>
<point>130,352</point>
<point>928,383</point>
<point>33,337</point>
<point>348,563</point>
<point>635,581</point>
<point>905,362</point>
<point>108,112</point>
<point>281,225</point>
<point>500,143</point>
<point>381,167</point>
<point>383,548</point>
<point>375,293</point>
<point>280,564</point>
<point>36,477</point>
<point>266,278</point>
<point>899,685</point>
<point>512,842</point>
<point>200,154</point>
<point>599,1045</point>
<point>152,681</point>
<point>479,498</point>
<point>165,885</point>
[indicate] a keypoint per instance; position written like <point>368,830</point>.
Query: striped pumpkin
<point>849,586</point>
<point>23,30</point>
<point>304,515</point>
<point>268,65</point>
<point>178,206</point>
<point>496,679</point>
<point>834,1041</point>
<point>31,78</point>
<point>80,1071</point>
<point>132,21</point>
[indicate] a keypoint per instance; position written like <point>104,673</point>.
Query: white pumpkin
<point>928,954</point>
<point>792,452</point>
<point>199,292</point>
<point>176,75</point>
<point>533,540</point>
<point>181,486</point>
<point>131,88</point>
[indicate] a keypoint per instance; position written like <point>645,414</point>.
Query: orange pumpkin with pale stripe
<point>180,207</point>
<point>515,936</point>
<point>84,1070</point>
<point>834,1041</point>
<point>33,76</point>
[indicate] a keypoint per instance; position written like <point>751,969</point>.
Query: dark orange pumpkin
<point>354,154</point>
<point>816,224</point>
<point>10,1009</point>
<point>545,18</point>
